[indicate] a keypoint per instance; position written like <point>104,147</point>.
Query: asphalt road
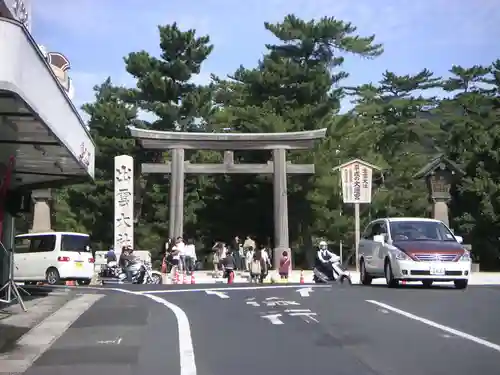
<point>241,330</point>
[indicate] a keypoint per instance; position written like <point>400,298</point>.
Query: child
<point>284,266</point>
<point>256,268</point>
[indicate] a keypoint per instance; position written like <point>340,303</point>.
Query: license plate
<point>79,265</point>
<point>437,270</point>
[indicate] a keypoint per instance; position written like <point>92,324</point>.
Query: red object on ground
<point>302,281</point>
<point>193,281</point>
<point>230,279</point>
<point>4,188</point>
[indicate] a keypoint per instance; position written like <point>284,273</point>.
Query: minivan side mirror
<point>380,238</point>
<point>459,239</point>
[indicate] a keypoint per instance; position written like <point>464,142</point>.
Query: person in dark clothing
<point>125,257</point>
<point>229,264</point>
<point>235,248</point>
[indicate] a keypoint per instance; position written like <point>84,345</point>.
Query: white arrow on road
<point>216,293</point>
<point>304,292</point>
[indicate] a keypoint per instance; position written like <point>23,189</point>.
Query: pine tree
<point>291,90</point>
<point>89,208</point>
<point>471,119</point>
<point>164,91</point>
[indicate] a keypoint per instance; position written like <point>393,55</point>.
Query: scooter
<point>339,274</point>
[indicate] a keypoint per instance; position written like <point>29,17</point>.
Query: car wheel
<point>52,276</point>
<point>364,278</point>
<point>389,276</point>
<point>84,282</point>
<point>427,283</point>
<point>461,284</point>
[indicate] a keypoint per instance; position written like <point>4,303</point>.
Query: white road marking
<point>441,327</point>
<point>186,349</point>
<point>218,294</point>
<point>221,289</point>
<point>273,318</point>
<point>116,341</point>
<point>304,292</point>
<point>40,338</point>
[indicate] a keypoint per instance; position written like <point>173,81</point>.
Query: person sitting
<point>324,259</point>
<point>110,256</point>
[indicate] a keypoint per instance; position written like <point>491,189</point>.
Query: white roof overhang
<point>39,125</point>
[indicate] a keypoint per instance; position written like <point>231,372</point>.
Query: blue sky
<point>96,34</point>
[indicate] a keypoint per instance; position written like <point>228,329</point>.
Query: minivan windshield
<point>420,231</point>
<point>71,242</point>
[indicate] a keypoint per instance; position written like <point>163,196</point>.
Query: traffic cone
<point>230,279</point>
<point>184,278</point>
<point>302,281</point>
<point>177,277</point>
<point>193,281</point>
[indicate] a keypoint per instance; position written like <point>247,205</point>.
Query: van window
<point>70,242</point>
<point>35,244</point>
<point>43,243</point>
<point>22,245</point>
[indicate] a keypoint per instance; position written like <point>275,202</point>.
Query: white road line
<point>186,349</point>
<point>441,327</point>
<point>40,338</point>
<point>221,289</point>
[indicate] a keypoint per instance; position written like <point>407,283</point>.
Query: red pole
<point>3,191</point>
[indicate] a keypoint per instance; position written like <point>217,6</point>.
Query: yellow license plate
<point>79,265</point>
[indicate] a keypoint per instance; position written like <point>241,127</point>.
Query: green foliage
<point>398,124</point>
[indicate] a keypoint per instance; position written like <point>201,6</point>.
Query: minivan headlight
<point>400,255</point>
<point>465,257</point>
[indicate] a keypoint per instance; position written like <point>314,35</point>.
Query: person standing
<point>235,250</point>
<point>249,255</point>
<point>249,243</point>
<point>190,256</point>
<point>216,251</point>
<point>284,268</point>
<point>180,247</point>
<point>242,257</point>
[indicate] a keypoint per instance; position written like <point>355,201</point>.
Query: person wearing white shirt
<point>248,258</point>
<point>190,254</point>
<point>180,249</point>
<point>265,256</point>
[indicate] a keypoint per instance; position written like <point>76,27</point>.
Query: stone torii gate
<point>278,143</point>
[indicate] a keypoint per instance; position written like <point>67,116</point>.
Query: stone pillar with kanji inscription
<point>124,202</point>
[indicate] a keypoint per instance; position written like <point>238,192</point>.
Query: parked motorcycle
<point>140,273</point>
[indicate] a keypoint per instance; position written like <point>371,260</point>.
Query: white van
<point>53,257</point>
